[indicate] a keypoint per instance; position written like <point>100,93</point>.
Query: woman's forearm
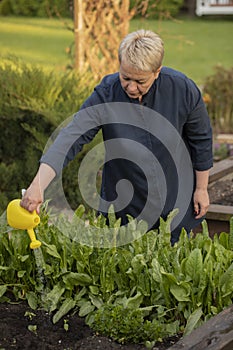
<point>202,179</point>
<point>44,176</point>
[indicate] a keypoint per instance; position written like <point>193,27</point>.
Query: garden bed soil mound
<point>17,320</point>
<point>221,191</point>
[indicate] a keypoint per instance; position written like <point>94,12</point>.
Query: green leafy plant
<point>143,291</point>
<point>128,324</point>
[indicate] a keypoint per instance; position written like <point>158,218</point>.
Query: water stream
<point>40,265</point>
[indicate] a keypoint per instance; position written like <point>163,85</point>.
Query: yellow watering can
<point>20,218</point>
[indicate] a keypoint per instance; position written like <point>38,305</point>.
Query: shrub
<point>161,8</point>
<point>32,104</point>
<point>41,8</point>
<point>217,93</point>
<point>5,8</point>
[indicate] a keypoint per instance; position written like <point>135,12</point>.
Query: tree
<point>99,26</point>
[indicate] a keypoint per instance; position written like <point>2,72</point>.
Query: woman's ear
<point>156,73</point>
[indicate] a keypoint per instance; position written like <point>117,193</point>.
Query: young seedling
<point>66,325</point>
<point>30,315</point>
<point>32,328</point>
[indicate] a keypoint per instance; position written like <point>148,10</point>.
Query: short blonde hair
<point>142,49</point>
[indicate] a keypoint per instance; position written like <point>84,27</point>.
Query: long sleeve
<point>71,139</point>
<point>198,132</point>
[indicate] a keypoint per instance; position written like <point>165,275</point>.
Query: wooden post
<point>99,26</point>
<point>125,15</point>
<point>78,35</point>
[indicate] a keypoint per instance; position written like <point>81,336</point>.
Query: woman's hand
<point>34,195</point>
<point>32,198</point>
<point>201,200</point>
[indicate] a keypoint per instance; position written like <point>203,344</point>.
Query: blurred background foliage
<point>33,103</point>
<point>217,93</point>
<point>39,8</point>
<point>48,8</point>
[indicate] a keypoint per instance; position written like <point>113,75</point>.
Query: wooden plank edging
<point>219,212</point>
<point>220,169</point>
<point>215,334</point>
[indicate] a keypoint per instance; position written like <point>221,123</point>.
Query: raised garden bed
<point>23,328</point>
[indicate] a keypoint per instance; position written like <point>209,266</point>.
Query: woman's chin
<point>133,95</point>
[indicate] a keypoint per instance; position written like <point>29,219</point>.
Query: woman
<point>149,111</point>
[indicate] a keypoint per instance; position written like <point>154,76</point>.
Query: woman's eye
<point>136,81</point>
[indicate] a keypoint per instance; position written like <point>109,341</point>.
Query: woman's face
<point>136,83</point>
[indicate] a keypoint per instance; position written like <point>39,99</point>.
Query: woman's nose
<point>132,86</point>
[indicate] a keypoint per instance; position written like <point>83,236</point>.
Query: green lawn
<point>41,41</point>
<point>192,46</point>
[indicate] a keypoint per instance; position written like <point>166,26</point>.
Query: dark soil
<point>221,191</point>
<point>16,320</point>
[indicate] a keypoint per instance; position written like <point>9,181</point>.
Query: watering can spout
<point>20,218</point>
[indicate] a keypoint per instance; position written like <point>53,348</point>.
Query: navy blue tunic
<point>176,101</point>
